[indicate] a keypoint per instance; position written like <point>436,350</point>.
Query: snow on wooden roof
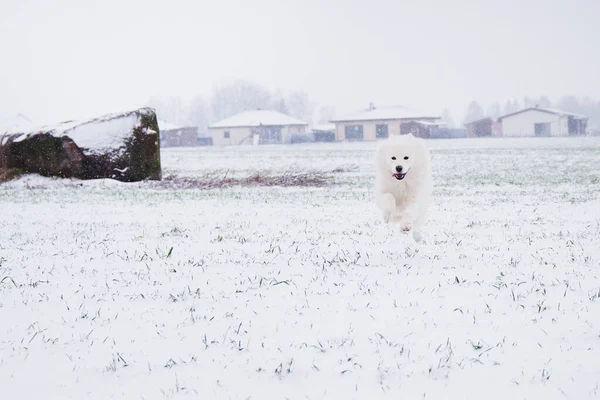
<point>546,110</point>
<point>257,118</point>
<point>386,113</point>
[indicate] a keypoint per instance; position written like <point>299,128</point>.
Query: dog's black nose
<point>398,168</point>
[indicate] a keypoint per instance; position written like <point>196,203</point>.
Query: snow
<point>323,128</point>
<point>386,113</point>
<point>94,136</point>
<point>431,123</point>
<point>18,139</point>
<point>257,118</point>
<point>125,290</point>
<point>19,121</point>
<point>167,126</point>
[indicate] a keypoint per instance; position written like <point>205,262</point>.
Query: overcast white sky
<point>62,59</point>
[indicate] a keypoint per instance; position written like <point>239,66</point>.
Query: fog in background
<point>197,61</point>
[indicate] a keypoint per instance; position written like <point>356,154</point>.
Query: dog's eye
<point>406,157</point>
<point>393,158</point>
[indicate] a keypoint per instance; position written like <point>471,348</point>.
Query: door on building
<point>543,129</point>
<point>576,126</point>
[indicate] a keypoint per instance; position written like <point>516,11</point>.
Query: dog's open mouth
<point>399,176</point>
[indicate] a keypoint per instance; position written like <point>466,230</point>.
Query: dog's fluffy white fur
<point>404,184</point>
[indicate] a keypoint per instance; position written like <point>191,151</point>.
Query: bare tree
<point>529,102</point>
<point>157,103</point>
<point>474,112</point>
<point>199,113</point>
<point>299,106</point>
<point>175,110</point>
<point>512,106</point>
<point>494,110</point>
<point>171,109</point>
<point>570,103</point>
<point>326,114</point>
<point>544,102</point>
<point>239,96</point>
<point>279,103</point>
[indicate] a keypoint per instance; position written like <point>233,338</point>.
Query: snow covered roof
<point>323,127</point>
<point>546,110</point>
<point>431,123</point>
<point>386,113</point>
<point>257,118</point>
<point>166,126</point>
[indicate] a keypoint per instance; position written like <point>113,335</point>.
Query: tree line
<point>241,95</point>
<point>232,98</point>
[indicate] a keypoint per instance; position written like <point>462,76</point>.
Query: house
<point>536,121</point>
<point>172,135</point>
<point>256,127</point>
<point>378,123</point>
<point>324,132</point>
<point>484,127</point>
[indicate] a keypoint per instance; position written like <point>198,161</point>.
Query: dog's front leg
<point>409,215</point>
<point>387,204</point>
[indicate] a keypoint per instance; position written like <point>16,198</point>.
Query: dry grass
<point>222,180</point>
<point>286,179</point>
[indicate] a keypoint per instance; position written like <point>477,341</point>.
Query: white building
<point>536,121</point>
<point>256,127</point>
<point>381,122</point>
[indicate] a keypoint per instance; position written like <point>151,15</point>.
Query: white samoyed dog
<point>403,183</point>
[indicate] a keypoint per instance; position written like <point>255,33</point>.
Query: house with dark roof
<point>484,127</point>
<point>537,121</point>
<point>172,135</point>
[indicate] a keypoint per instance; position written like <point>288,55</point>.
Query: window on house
<point>226,135</point>
<point>381,131</point>
<point>409,127</point>
<point>271,134</point>
<point>354,132</point>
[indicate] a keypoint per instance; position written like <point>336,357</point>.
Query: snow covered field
<point>113,290</point>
